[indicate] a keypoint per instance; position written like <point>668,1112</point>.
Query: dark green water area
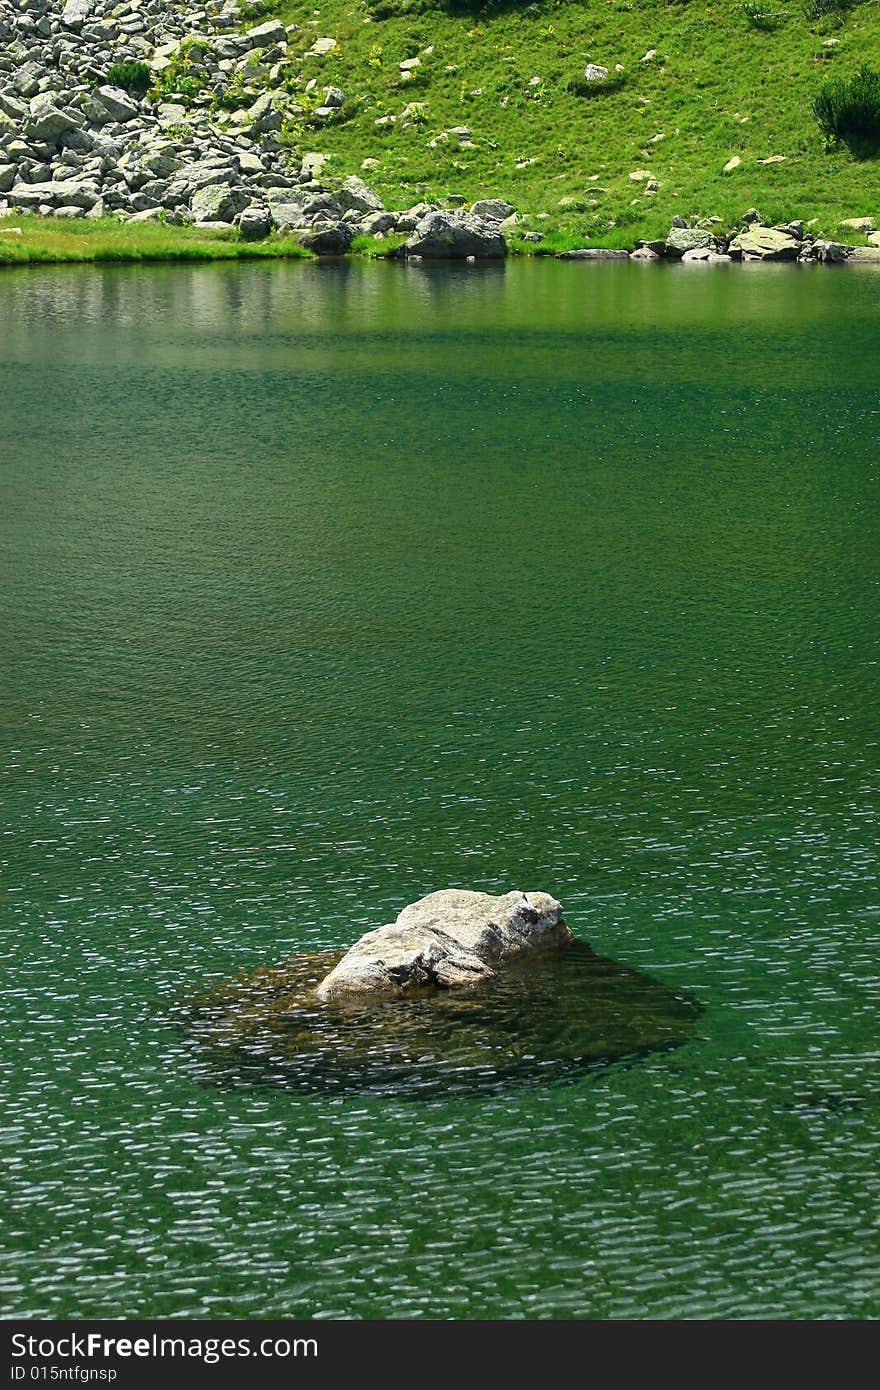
<point>327,586</point>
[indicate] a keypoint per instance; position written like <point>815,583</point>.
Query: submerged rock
<point>448,939</point>
<point>592,253</point>
<point>454,235</point>
<point>541,1018</point>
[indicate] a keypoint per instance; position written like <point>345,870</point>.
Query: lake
<point>327,586</point>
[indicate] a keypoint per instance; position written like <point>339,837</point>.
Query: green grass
<point>46,241</point>
<point>378,248</point>
<point>718,86</point>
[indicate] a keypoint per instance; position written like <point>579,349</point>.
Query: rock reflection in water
<point>543,1019</point>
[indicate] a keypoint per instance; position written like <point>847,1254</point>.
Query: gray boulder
<point>379,223</point>
<point>255,223</point>
<point>328,238</point>
<point>492,209</point>
<point>447,940</point>
<point>448,235</point>
<point>832,252</point>
<point>118,104</point>
<point>28,78</point>
<point>214,203</point>
<point>683,239</point>
<point>287,217</point>
<point>701,255</point>
<point>75,13</point>
<point>758,243</point>
<point>357,196</point>
<point>46,122</point>
<point>267,35</point>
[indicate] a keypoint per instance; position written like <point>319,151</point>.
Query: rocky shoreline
<point>76,145</point>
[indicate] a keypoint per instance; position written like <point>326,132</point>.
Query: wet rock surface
<point>450,939</point>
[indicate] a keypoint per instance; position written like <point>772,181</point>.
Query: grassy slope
<point>717,88</point>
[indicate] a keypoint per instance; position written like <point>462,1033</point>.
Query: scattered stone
<point>864,255</point>
<point>321,47</point>
<point>594,72</point>
<point>733,163</point>
<point>271,33</point>
<point>859,224</point>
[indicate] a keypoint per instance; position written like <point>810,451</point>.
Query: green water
<point>324,587</point>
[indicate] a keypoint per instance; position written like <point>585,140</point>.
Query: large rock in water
<point>540,1019</point>
<point>765,244</point>
<point>682,239</point>
<point>447,940</point>
<point>451,235</point>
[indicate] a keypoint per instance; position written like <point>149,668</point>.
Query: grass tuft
<point>378,248</point>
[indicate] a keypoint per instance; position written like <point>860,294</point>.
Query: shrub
<point>757,16</point>
<point>834,10</point>
<point>132,77</point>
<point>848,108</point>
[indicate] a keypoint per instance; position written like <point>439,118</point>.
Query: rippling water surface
<point>328,586</point>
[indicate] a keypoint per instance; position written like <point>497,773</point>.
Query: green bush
<point>132,77</point>
<point>848,109</point>
<point>757,16</point>
<point>834,10</point>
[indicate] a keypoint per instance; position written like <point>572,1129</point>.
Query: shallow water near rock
<point>328,586</point>
<point>540,1020</point>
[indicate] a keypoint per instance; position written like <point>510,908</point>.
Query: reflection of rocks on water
<point>542,1019</point>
